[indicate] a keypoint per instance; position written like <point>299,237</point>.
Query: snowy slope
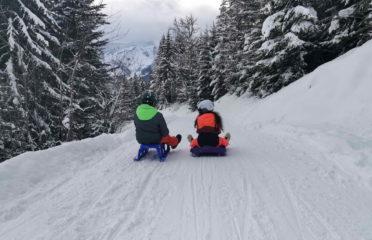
<point>337,93</point>
<point>137,58</point>
<point>299,167</point>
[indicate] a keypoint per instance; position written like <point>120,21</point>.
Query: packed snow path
<point>270,186</point>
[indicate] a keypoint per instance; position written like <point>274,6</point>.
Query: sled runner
<point>161,149</point>
<point>208,151</point>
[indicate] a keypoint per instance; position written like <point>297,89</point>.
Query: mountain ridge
<point>132,58</point>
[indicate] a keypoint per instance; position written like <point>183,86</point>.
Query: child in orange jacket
<point>208,125</point>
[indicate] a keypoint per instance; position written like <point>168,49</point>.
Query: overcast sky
<point>147,20</point>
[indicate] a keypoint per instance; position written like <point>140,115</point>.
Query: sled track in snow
<point>268,187</point>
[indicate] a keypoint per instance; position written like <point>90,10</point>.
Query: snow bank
<point>329,109</point>
<point>337,93</point>
<point>27,170</point>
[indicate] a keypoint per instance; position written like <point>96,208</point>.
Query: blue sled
<point>208,151</point>
<point>161,149</point>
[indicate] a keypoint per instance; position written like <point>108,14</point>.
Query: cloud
<point>147,20</point>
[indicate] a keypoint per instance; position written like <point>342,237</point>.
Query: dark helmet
<point>148,97</point>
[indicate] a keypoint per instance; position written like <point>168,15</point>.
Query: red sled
<point>208,151</point>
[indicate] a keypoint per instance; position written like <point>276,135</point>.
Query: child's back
<point>208,125</point>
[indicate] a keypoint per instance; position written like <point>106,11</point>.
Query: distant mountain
<point>132,58</point>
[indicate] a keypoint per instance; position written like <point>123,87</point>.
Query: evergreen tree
<point>253,14</point>
<point>168,75</point>
<point>155,80</point>
<point>288,35</point>
<point>163,82</point>
<point>32,93</point>
<point>185,57</point>
<point>207,44</point>
<point>84,72</point>
<point>221,54</point>
<point>238,21</point>
<point>349,26</point>
<point>369,19</point>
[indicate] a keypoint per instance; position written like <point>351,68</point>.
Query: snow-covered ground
<point>299,168</point>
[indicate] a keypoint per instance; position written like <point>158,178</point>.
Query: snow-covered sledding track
<point>269,187</point>
<point>295,170</point>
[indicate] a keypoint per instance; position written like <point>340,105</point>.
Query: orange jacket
<point>206,123</point>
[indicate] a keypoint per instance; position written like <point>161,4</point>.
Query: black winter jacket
<point>150,125</point>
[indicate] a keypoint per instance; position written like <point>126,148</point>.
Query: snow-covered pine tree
<point>253,13</point>
<point>83,68</point>
<point>163,79</point>
<point>363,24</point>
<point>221,54</point>
<point>33,94</point>
<point>155,80</point>
<point>369,19</point>
<point>288,33</point>
<point>239,21</point>
<point>168,74</point>
<point>139,86</point>
<point>184,32</point>
<point>11,135</point>
<point>206,45</point>
<point>349,27</point>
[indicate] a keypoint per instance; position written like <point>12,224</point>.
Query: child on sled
<point>208,125</point>
<point>151,127</point>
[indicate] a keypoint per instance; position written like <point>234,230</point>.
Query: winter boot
<point>190,138</point>
<point>179,137</point>
<point>228,137</point>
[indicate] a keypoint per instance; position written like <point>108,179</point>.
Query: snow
<point>308,14</point>
<point>66,122</point>
<point>305,12</point>
<point>299,167</point>
<point>268,45</point>
<point>271,23</point>
<point>293,40</point>
<point>46,11</point>
<point>42,39</point>
<point>335,24</point>
<point>9,64</point>
<point>338,38</point>
<point>51,56</point>
<point>347,87</point>
<point>53,93</point>
<point>49,36</point>
<point>27,35</point>
<point>345,13</point>
<point>34,18</point>
<point>302,26</point>
<point>10,34</point>
<point>40,62</point>
<point>13,80</point>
